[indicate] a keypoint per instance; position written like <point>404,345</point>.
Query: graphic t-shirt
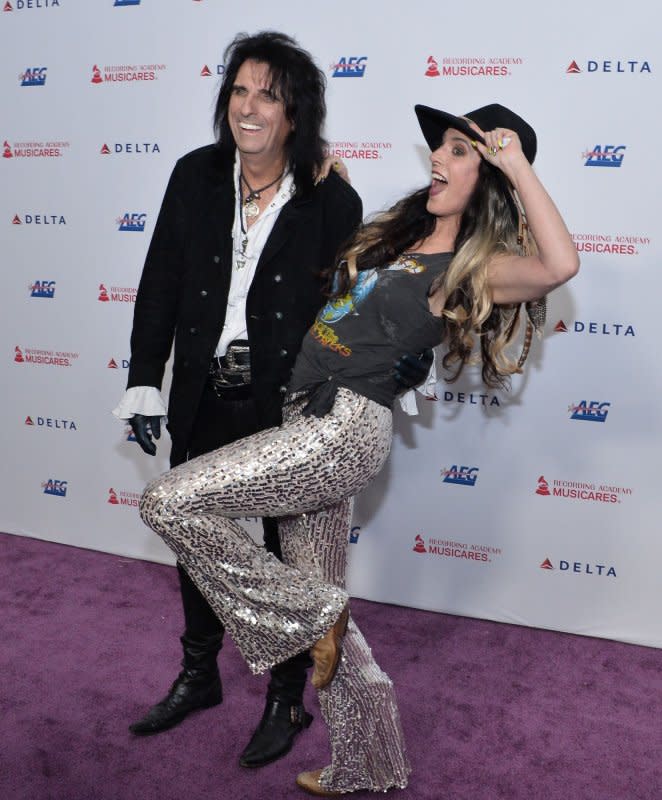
<point>356,339</point>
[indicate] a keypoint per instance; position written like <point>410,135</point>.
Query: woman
<point>449,263</point>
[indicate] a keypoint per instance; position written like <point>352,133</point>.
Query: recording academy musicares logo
<point>472,66</point>
<point>616,244</point>
<point>39,149</point>
<point>586,491</point>
<point>122,498</point>
<point>117,294</point>
<point>359,150</point>
<point>126,73</point>
<point>54,358</point>
<point>449,548</point>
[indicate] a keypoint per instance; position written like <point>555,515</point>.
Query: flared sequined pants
<point>305,472</point>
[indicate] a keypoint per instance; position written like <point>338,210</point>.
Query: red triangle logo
<point>560,327</point>
<point>112,364</point>
<point>105,150</point>
<point>205,72</point>
<point>16,220</point>
<point>6,150</point>
<point>7,6</point>
<point>112,497</point>
<point>28,421</point>
<point>573,68</point>
<point>546,564</point>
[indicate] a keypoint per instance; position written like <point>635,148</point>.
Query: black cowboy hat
<point>434,124</point>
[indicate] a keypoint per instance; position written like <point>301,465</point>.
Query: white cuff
<point>145,400</point>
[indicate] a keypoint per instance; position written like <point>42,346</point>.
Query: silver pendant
<point>251,209</point>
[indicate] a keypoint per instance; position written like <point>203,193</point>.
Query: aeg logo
<point>132,222</point>
<point>33,76</point>
<point>589,411</point>
<point>607,155</point>
<point>352,67</point>
<point>463,476</point>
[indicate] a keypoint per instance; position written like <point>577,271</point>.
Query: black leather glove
<point>411,370</point>
<point>143,429</point>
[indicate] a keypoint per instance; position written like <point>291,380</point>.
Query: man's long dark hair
<point>298,81</point>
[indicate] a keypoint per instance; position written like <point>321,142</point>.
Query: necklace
<point>251,208</point>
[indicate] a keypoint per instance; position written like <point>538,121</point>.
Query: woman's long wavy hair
<point>490,225</point>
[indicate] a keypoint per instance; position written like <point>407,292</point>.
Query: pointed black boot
<point>284,714</point>
<point>274,736</point>
<point>197,686</point>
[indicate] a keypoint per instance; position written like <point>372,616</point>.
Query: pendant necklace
<point>251,208</point>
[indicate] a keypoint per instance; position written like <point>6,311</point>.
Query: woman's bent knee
<point>155,506</point>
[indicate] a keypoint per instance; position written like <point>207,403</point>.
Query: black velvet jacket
<point>184,286</point>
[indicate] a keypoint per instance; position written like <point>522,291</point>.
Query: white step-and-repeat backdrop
<point>539,506</point>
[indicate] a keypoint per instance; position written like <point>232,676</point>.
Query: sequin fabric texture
<point>305,472</point>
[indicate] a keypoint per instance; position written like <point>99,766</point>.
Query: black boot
<point>284,714</point>
<point>197,686</point>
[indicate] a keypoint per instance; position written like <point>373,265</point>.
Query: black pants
<point>219,421</point>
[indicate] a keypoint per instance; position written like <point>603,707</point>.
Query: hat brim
<point>435,123</point>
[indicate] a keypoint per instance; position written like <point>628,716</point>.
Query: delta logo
<point>132,222</point>
<point>610,244</point>
<point>605,155</point>
<point>20,5</point>
<point>51,422</point>
<point>117,294</point>
<point>449,548</point>
<point>39,219</point>
<point>218,70</point>
<point>589,411</point>
<point>121,363</point>
<point>582,490</point>
<point>42,289</point>
<point>579,568</point>
<point>53,358</point>
<point>349,67</point>
<point>33,76</point>
<point>57,488</point>
<point>470,398</point>
<point>472,66</point>
<point>592,66</point>
<point>358,150</point>
<point>126,73</point>
<point>130,148</point>
<point>34,149</point>
<point>596,328</point>
<point>122,498</point>
<point>460,476</point>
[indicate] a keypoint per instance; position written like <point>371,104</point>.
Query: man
<point>232,275</point>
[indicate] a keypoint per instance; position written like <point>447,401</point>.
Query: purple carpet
<point>490,711</point>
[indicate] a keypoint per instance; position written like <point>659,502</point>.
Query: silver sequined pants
<point>306,472</point>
